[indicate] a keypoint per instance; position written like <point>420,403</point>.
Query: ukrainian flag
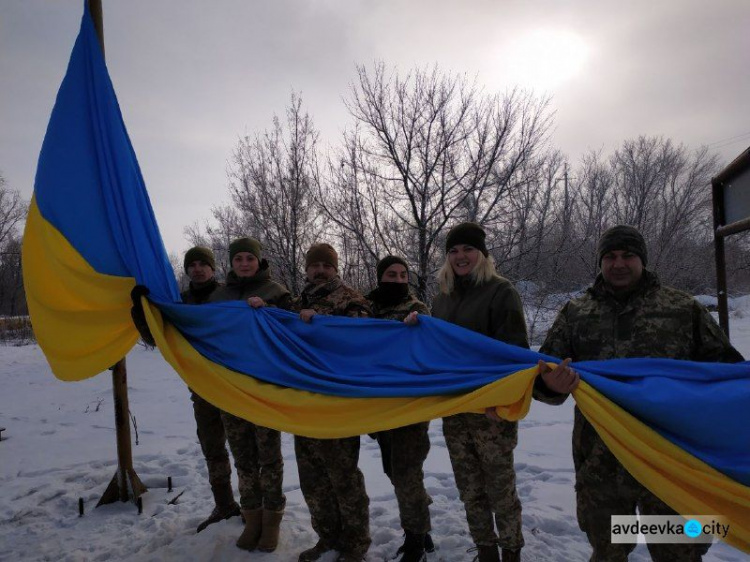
<point>681,428</point>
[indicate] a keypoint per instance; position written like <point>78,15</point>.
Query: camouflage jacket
<point>395,311</point>
<point>652,321</point>
<point>493,309</point>
<point>259,285</point>
<point>199,294</point>
<point>333,298</point>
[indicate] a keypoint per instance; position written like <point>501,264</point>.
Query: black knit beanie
<point>622,237</point>
<point>199,253</point>
<point>387,262</point>
<point>467,233</point>
<point>245,245</point>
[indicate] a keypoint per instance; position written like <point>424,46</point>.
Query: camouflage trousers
<point>605,488</point>
<point>334,490</point>
<point>404,451</point>
<point>213,440</point>
<point>481,452</point>
<point>260,466</point>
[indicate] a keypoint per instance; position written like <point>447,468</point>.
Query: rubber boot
<point>253,526</point>
<point>269,536</point>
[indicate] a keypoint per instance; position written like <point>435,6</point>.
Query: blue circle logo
<point>693,528</point>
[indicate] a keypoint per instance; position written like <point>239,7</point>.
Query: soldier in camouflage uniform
<point>474,296</point>
<point>256,449</point>
<point>404,449</point>
<point>626,313</point>
<point>200,265</point>
<point>331,482</point>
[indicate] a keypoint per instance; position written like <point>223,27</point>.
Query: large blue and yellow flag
<point>681,428</point>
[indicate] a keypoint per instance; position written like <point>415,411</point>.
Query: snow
<point>59,446</point>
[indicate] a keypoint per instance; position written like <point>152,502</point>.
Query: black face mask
<point>388,293</point>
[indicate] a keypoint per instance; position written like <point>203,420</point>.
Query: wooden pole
<point>125,481</point>
<point>125,484</point>
<point>95,9</point>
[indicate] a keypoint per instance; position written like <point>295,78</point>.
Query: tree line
<point>426,149</point>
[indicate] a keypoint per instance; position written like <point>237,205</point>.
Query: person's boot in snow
<point>429,546</point>
<point>269,536</point>
<point>486,553</point>
<point>511,555</point>
<point>413,548</point>
<point>253,527</point>
<point>225,508</point>
<point>314,553</point>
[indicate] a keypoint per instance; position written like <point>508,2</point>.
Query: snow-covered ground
<point>59,446</point>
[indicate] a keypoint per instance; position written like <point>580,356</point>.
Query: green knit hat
<point>322,253</point>
<point>467,233</point>
<point>622,237</point>
<point>199,253</point>
<point>245,245</point>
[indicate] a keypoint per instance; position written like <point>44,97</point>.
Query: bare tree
<point>227,224</point>
<point>663,189</point>
<point>429,149</point>
<point>273,177</point>
<point>13,211</point>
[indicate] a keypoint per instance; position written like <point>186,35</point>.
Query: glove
<point>139,318</point>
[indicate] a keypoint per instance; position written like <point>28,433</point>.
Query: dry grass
<point>16,330</point>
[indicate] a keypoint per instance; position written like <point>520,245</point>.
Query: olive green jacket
<point>259,285</point>
<point>493,309</point>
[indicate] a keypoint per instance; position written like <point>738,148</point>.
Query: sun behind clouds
<point>543,59</point>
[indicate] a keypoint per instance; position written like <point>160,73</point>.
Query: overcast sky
<point>194,76</point>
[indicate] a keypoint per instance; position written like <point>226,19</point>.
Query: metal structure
<point>731,206</point>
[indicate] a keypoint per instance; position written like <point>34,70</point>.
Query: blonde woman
<point>474,296</point>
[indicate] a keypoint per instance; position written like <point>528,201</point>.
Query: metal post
<point>717,193</point>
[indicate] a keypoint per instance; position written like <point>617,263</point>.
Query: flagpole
<point>125,482</point>
<point>95,9</point>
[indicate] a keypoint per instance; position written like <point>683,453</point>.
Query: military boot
<point>225,507</point>
<point>511,555</point>
<point>269,536</point>
<point>413,548</point>
<point>253,526</point>
<point>314,553</point>
<point>486,553</point>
